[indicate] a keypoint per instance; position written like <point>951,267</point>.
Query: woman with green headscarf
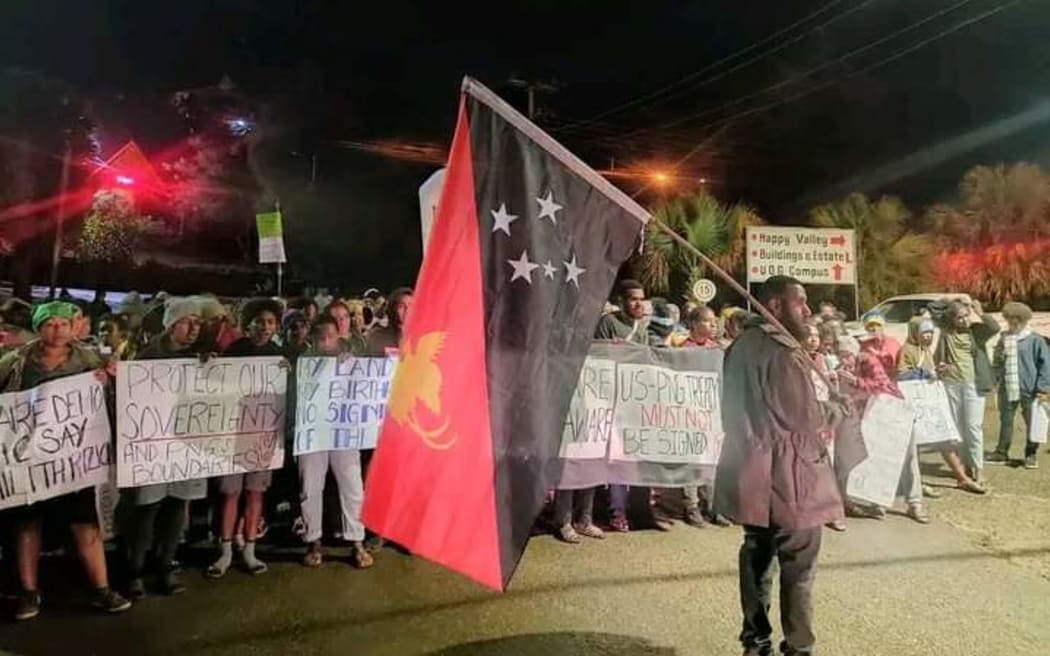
<point>55,354</point>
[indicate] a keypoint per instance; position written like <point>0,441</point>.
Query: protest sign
<point>664,415</point>
<point>1039,423</point>
<point>589,424</point>
<point>933,416</point>
<point>643,416</point>
<point>54,439</point>
<point>886,427</point>
<point>340,403</point>
<point>183,419</point>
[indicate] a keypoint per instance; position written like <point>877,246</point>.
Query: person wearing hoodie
<point>1022,366</point>
<point>159,512</point>
<point>962,363</point>
<point>916,362</point>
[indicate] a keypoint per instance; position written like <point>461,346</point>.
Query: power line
<point>675,87</point>
<point>787,82</point>
<point>724,122</point>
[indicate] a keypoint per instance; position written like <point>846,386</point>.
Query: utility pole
<point>63,189</point>
<point>531,87</point>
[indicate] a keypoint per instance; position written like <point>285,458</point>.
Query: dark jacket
<point>774,469</point>
<point>381,339</point>
<point>618,326</point>
<point>13,363</point>
<point>984,377</point>
<point>1033,365</point>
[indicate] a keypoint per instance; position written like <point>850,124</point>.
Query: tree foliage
<point>996,205</point>
<point>112,231</point>
<point>891,258</point>
<point>995,237</point>
<point>714,228</point>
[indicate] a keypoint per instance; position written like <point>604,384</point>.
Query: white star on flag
<point>548,270</point>
<point>522,267</point>
<point>572,272</point>
<point>548,207</point>
<point>503,219</point>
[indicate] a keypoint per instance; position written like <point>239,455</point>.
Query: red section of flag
<point>431,483</point>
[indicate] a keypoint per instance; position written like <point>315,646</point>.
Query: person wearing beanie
<point>55,354</point>
<point>218,331</point>
<point>295,335</point>
<point>661,323</point>
<point>1022,367</point>
<point>261,316</point>
<point>158,512</point>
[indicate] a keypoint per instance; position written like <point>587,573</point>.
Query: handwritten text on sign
<point>589,424</point>
<point>663,415</point>
<point>933,416</point>
<point>341,403</point>
<point>886,427</point>
<point>54,439</point>
<point>182,419</point>
<point>814,256</point>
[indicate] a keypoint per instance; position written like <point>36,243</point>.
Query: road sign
<point>816,256</point>
<point>704,290</point>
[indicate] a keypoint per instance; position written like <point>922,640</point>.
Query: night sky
<point>364,71</point>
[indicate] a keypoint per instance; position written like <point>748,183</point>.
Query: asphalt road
<point>976,581</point>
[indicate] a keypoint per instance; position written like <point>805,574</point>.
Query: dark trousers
<point>797,553</point>
<point>583,500</point>
<point>156,525</point>
<point>1007,412</point>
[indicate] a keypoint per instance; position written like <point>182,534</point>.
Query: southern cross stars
<point>548,270</point>
<point>548,207</point>
<point>522,267</point>
<point>572,272</point>
<point>503,219</point>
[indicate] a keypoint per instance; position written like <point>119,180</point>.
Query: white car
<point>899,310</point>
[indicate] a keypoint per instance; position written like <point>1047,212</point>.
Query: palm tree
<point>995,238</point>
<point>714,228</point>
<point>996,204</point>
<point>891,259</point>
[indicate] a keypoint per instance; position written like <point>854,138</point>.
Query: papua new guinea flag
<point>524,250</point>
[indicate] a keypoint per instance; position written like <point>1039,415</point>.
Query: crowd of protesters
<point>56,339</point>
<point>63,338</point>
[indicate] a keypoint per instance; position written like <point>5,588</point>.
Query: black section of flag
<point>551,245</point>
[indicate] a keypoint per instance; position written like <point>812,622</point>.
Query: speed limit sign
<point>704,290</point>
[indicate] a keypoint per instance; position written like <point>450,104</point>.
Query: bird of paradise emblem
<point>418,383</point>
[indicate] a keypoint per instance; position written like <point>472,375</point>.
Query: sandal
<point>361,558</point>
<point>314,555</point>
<point>568,534</point>
<point>620,525</point>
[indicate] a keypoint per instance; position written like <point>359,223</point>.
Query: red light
<point>125,180</point>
